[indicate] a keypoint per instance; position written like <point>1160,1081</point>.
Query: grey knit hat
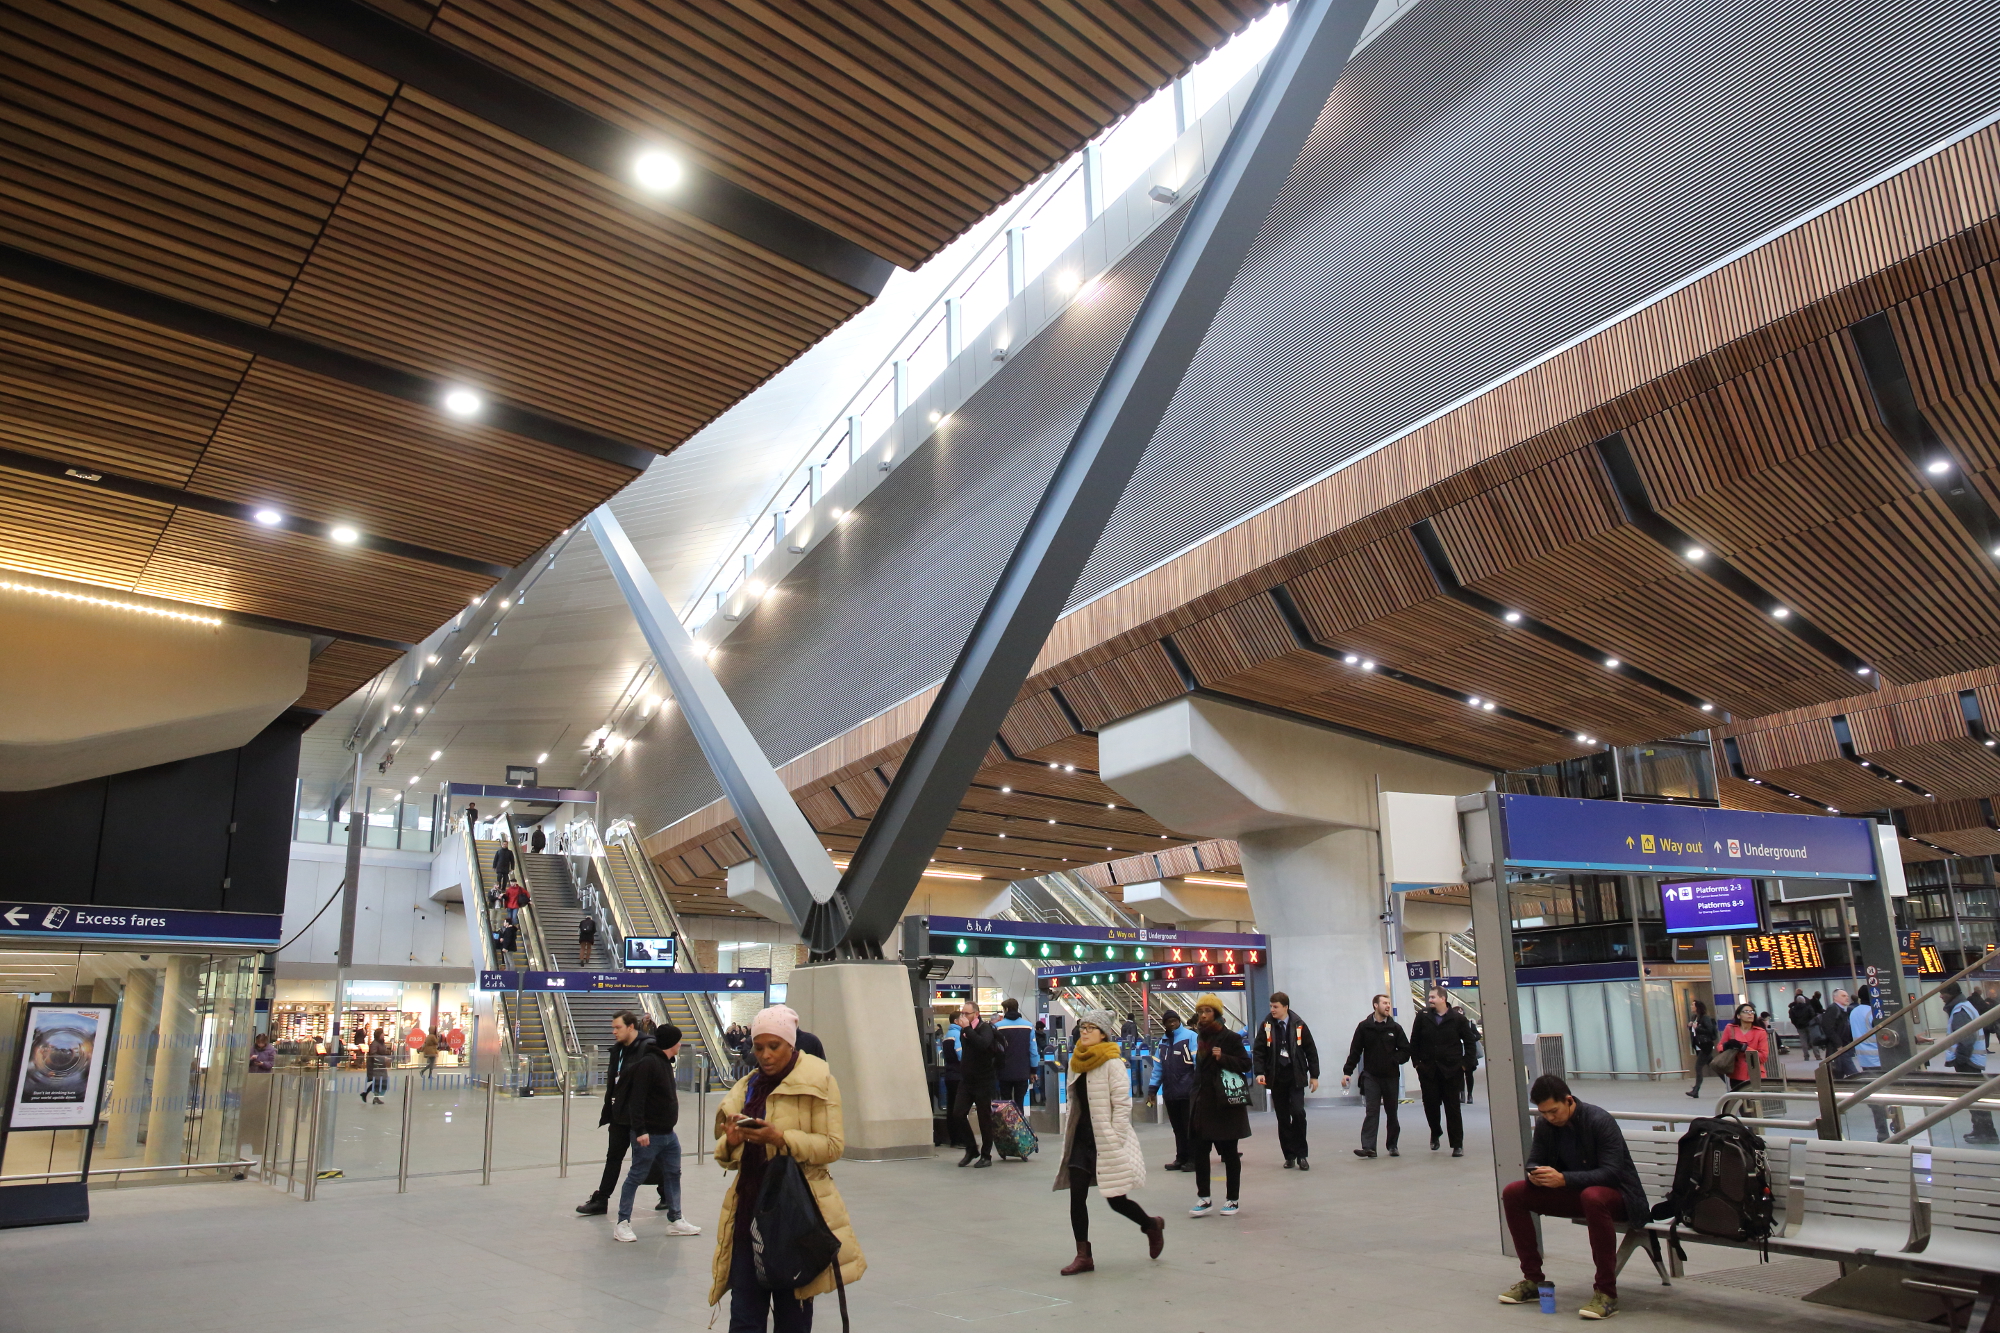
<point>1100,1019</point>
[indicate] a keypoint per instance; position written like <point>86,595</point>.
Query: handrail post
<point>486,1157</point>
<point>562,1154</point>
<point>312,1142</point>
<point>298,1110</point>
<point>403,1147</point>
<point>701,1105</point>
<point>1829,1102</point>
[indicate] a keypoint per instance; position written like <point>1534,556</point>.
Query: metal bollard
<point>312,1140</point>
<point>403,1149</point>
<point>701,1106</point>
<point>486,1160</point>
<point>298,1109</point>
<point>562,1154</point>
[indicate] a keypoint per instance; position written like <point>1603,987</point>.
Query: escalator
<point>528,1019</point>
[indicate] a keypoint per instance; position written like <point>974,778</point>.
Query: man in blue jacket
<point>1173,1083</point>
<point>1022,1057</point>
<point>1968,1056</point>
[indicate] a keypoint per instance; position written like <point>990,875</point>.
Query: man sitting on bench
<point>1578,1166</point>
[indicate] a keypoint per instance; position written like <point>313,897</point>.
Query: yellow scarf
<point>1086,1058</point>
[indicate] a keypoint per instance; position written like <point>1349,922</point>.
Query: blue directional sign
<point>1555,833</point>
<point>81,921</point>
<point>748,983</point>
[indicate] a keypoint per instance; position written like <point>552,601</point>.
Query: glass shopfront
<point>181,1037</point>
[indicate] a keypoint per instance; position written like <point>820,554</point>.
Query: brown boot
<point>1082,1263</point>
<point>1156,1236</point>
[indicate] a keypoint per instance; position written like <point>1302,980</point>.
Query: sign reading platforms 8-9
<point>60,1072</point>
<point>1710,906</point>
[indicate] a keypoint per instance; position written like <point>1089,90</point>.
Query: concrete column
<point>180,1029</point>
<point>1303,803</point>
<point>137,1019</point>
<point>862,1012</point>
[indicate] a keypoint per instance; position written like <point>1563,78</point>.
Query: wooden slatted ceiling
<point>1786,472</point>
<point>1960,826</point>
<point>71,532</point>
<point>188,148</point>
<point>1805,757</point>
<point>325,451</point>
<point>1554,543</point>
<point>465,252</point>
<point>1381,601</point>
<point>1217,854</point>
<point>77,383</point>
<point>896,123</point>
<point>340,670</point>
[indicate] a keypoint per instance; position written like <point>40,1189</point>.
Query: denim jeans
<point>665,1150</point>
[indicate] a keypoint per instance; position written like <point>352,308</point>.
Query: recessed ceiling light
<point>1487,706</point>
<point>1708,708</point>
<point>1474,701</point>
<point>1611,663</point>
<point>755,587</point>
<point>542,758</point>
<point>420,709</point>
<point>1350,659</point>
<point>413,779</point>
<point>1069,768</point>
<point>1367,665</point>
<point>936,417</point>
<point>270,518</point>
<point>434,659</point>
<point>1937,467</point>
<point>1110,805</point>
<point>1861,671</point>
<point>656,171</point>
<point>1067,281</point>
<point>436,755</point>
<point>1780,612</point>
<point>345,535</point>
<point>1006,789</point>
<point>1581,737</point>
<point>463,403</point>
<point>1512,617</point>
<point>1052,821</point>
<point>1696,553</point>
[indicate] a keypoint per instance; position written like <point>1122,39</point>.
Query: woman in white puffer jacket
<point>1100,1146</point>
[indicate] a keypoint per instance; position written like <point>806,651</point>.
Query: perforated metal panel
<point>1491,180</point>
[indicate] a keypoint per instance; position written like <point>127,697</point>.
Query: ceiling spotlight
<point>1488,706</point>
<point>436,755</point>
<point>1583,738</point>
<point>1110,805</point>
<point>1474,701</point>
<point>1708,708</point>
<point>1861,671</point>
<point>395,708</point>
<point>1780,612</point>
<point>1350,659</point>
<point>506,605</point>
<point>656,171</point>
<point>1067,281</point>
<point>1937,467</point>
<point>270,518</point>
<point>1055,765</point>
<point>1069,768</point>
<point>755,587</point>
<point>1052,821</point>
<point>1367,665</point>
<point>413,779</point>
<point>434,659</point>
<point>1696,553</point>
<point>463,403</point>
<point>839,515</point>
<point>1512,617</point>
<point>420,710</point>
<point>542,758</point>
<point>1989,743</point>
<point>345,535</point>
<point>1611,663</point>
<point>936,416</point>
<point>1006,789</point>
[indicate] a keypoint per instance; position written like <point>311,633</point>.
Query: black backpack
<point>1832,1026</point>
<point>1722,1184</point>
<point>790,1240</point>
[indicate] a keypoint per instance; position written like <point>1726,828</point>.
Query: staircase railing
<point>623,840</point>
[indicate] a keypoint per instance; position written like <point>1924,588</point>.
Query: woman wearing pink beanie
<point>788,1105</point>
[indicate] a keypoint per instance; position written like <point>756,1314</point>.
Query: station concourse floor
<point>1409,1241</point>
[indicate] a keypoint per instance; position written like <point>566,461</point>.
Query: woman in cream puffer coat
<point>1100,1146</point>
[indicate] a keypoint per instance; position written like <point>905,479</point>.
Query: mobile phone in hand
<point>748,1122</point>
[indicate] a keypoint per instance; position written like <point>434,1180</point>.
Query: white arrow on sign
<point>13,918</point>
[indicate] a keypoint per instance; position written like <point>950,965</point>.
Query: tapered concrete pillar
<point>1302,802</point>
<point>173,1057</point>
<point>136,1021</point>
<point>862,1013</point>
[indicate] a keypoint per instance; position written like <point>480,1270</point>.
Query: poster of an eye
<point>61,1069</point>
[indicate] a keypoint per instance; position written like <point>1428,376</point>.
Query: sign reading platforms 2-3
<point>1557,833</point>
<point>83,921</point>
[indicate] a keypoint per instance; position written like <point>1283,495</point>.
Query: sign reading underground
<point>1550,832</point>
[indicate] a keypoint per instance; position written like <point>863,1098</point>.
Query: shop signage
<point>60,1073</point>
<point>754,982</point>
<point>1556,833</point>
<point>156,924</point>
<point>1709,906</point>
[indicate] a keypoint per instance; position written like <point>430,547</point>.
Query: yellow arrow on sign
<point>1628,842</point>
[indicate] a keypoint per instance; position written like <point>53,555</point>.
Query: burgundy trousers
<point>1600,1207</point>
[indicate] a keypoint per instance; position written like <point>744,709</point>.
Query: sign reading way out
<point>1556,833</point>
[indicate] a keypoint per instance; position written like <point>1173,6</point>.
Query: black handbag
<point>791,1241</point>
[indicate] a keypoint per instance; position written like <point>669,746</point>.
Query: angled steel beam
<point>1172,323</point>
<point>93,289</point>
<point>451,74</point>
<point>772,823</point>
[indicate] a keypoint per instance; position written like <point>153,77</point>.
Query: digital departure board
<point>1921,953</point>
<point>1792,952</point>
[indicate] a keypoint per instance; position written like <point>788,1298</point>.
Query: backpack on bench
<point>1722,1184</point>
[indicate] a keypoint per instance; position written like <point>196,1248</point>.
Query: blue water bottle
<point>1548,1291</point>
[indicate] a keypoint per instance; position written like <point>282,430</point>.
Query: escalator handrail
<point>701,1005</point>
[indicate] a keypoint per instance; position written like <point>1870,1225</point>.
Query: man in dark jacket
<point>1287,1063</point>
<point>1379,1047</point>
<point>981,1049</point>
<point>538,841</point>
<point>503,862</point>
<point>1578,1166</point>
<point>1173,1083</point>
<point>1442,1047</point>
<point>628,1042</point>
<point>647,1099</point>
<point>1017,1066</point>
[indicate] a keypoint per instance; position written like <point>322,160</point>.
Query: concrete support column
<point>180,1029</point>
<point>861,1012</point>
<point>137,1017</point>
<point>1303,802</point>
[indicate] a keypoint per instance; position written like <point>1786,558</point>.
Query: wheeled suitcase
<point>1011,1132</point>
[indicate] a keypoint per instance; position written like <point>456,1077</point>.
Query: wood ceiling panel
<point>84,386</point>
<point>1805,757</point>
<point>341,669</point>
<point>473,255</point>
<point>1123,686</point>
<point>74,532</point>
<point>221,563</point>
<point>189,149</point>
<point>1035,722</point>
<point>894,124</point>
<point>1961,826</point>
<point>323,450</point>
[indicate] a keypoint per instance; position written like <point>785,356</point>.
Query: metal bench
<point>1859,1200</point>
<point>1965,1228</point>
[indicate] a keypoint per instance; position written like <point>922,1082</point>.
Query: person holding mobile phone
<point>1578,1166</point>
<point>787,1106</point>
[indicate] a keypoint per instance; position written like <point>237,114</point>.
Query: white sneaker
<point>1229,1208</point>
<point>680,1226</point>
<point>623,1231</point>
<point>1202,1208</point>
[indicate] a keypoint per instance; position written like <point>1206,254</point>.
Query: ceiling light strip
<point>136,608</point>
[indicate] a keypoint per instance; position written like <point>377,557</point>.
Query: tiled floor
<point>1407,1242</point>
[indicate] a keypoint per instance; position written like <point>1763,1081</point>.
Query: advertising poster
<point>61,1067</point>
